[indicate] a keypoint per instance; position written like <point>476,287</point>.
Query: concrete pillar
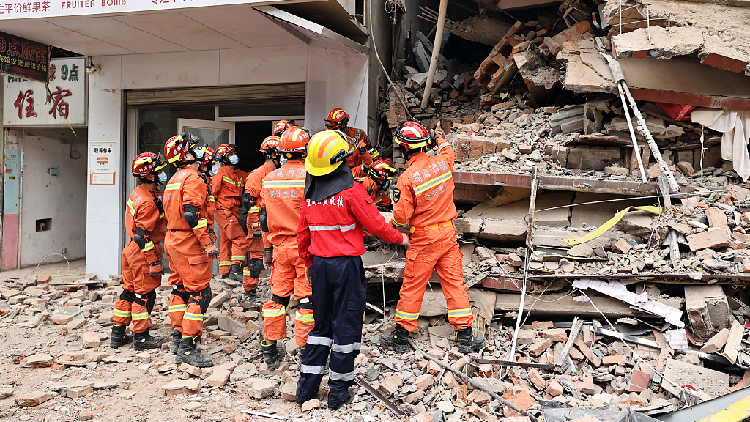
<point>336,78</point>
<point>104,203</point>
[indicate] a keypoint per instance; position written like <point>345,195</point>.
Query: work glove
<point>212,251</point>
<point>438,132</point>
<point>308,275</point>
<point>212,235</point>
<point>155,268</point>
<point>406,242</point>
<point>268,258</point>
<point>362,146</point>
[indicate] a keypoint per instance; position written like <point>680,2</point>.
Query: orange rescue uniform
<point>379,197</point>
<point>357,139</point>
<point>185,246</point>
<point>423,199</point>
<point>137,300</point>
<point>227,189</point>
<point>256,239</point>
<point>283,193</point>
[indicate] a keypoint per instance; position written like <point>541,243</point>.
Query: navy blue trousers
<point>338,299</point>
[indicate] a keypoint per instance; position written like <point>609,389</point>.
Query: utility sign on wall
<point>61,102</point>
<point>102,164</point>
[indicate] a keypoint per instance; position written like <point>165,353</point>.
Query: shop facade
<point>224,72</point>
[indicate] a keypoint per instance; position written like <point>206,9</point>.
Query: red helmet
<point>295,139</point>
<point>270,144</point>
<point>382,169</point>
<point>225,151</point>
<point>147,163</point>
<point>412,135</point>
<point>281,126</point>
<point>177,146</point>
<point>337,119</point>
<point>209,155</point>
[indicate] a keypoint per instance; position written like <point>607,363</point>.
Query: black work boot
<point>271,355</point>
<point>189,354</point>
<point>398,340</point>
<point>250,296</point>
<point>235,272</point>
<point>144,341</point>
<point>337,399</point>
<point>118,337</point>
<point>467,343</point>
<point>176,338</point>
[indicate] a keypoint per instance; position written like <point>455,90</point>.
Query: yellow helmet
<point>325,153</point>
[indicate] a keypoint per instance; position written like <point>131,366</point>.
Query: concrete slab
<point>597,214</point>
<point>517,210</point>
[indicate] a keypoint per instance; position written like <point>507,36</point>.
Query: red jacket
<point>335,226</point>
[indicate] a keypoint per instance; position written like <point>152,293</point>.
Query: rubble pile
<point>58,361</point>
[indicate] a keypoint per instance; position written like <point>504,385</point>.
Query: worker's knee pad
<point>202,298</point>
<point>127,296</point>
<point>255,266</point>
<point>305,303</point>
<point>283,301</point>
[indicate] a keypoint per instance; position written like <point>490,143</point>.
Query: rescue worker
<point>227,189</point>
<point>141,258</point>
<point>256,241</point>
<point>189,248</point>
<point>330,231</point>
<point>378,180</point>
<point>205,169</point>
<point>423,202</point>
<point>363,152</point>
<point>282,195</point>
<point>281,126</point>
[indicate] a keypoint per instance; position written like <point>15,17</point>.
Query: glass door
<point>212,133</point>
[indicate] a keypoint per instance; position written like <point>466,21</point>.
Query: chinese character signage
<point>61,102</point>
<point>23,58</point>
<point>21,9</point>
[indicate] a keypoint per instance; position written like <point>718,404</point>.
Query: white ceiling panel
<point>49,33</point>
<point>179,29</point>
<point>243,24</point>
<point>114,32</point>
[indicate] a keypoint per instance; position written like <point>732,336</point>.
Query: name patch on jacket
<point>337,201</point>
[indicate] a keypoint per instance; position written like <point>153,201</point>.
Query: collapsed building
<point>601,168</point>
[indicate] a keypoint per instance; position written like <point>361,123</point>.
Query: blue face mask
<point>162,178</point>
<point>198,153</point>
<point>234,160</point>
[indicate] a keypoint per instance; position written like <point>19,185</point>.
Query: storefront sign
<point>103,165</point>
<point>61,103</point>
<point>15,9</point>
<point>23,58</point>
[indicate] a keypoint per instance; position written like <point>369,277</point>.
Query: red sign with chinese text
<point>24,58</point>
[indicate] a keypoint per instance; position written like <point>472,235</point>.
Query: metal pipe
<point>632,135</point>
<point>435,53</point>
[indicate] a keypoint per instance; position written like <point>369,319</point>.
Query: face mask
<point>198,153</point>
<point>214,169</point>
<point>162,178</point>
<point>283,160</point>
<point>234,160</point>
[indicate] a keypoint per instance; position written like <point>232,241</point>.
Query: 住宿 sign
<point>62,102</point>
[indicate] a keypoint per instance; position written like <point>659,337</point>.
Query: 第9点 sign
<point>60,103</point>
<point>23,58</point>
